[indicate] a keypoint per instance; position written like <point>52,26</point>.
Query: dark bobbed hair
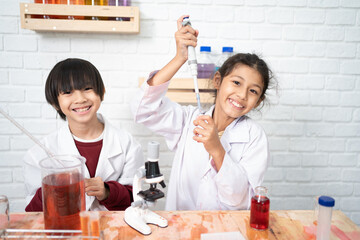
<point>251,60</point>
<point>72,74</point>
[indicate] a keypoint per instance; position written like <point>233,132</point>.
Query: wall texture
<point>313,122</point>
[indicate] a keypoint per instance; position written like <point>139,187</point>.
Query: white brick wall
<point>313,123</point>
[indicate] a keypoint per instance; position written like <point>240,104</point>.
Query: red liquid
<point>63,199</point>
<point>259,213</point>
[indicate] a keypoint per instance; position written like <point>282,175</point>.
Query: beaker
<point>63,191</point>
<point>260,209</point>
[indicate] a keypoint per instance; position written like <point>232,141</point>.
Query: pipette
<point>48,152</point>
<point>193,65</point>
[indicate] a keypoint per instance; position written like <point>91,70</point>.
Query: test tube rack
<point>34,17</point>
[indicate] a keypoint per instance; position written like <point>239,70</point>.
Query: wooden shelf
<point>61,23</point>
<point>181,90</point>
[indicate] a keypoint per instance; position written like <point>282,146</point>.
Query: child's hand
<point>96,187</point>
<point>185,36</point>
<point>207,134</point>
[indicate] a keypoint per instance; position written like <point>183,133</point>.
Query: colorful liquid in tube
<point>77,2</point>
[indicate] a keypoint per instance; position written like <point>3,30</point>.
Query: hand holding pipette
<point>185,36</point>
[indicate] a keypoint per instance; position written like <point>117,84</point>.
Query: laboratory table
<point>287,225</point>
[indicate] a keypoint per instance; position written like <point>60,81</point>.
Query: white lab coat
<point>194,184</point>
<point>119,159</point>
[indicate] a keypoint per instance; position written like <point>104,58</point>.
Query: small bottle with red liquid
<point>260,209</point>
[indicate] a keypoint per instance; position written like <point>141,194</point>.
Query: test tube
<point>85,226</point>
<point>90,226</point>
<point>94,224</point>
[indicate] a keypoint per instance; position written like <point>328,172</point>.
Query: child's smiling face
<point>79,106</point>
<point>239,92</point>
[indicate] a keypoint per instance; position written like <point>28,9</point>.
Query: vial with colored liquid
<point>260,209</point>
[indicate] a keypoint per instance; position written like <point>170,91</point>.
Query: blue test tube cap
<point>205,49</point>
<point>326,201</point>
<point>227,49</point>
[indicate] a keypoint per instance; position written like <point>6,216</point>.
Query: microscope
<point>138,215</point>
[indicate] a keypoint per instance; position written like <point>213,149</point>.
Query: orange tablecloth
<point>287,225</point>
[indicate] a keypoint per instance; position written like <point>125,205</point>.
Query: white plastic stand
<point>138,218</point>
<point>138,215</point>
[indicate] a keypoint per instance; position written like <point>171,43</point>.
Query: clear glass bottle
<point>260,209</point>
<point>205,64</point>
<point>226,53</point>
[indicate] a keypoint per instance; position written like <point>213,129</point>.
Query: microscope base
<point>138,218</point>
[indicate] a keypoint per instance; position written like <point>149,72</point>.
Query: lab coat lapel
<point>236,132</point>
<point>111,148</point>
<point>66,145</point>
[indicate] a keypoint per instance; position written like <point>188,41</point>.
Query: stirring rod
<point>48,152</point>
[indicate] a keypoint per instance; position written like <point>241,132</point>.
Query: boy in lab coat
<point>220,156</point>
<point>75,89</point>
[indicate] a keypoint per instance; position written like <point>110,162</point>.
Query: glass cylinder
<point>260,209</point>
<point>76,2</point>
<point>119,2</point>
<point>4,213</point>
<point>125,3</point>
<point>96,3</point>
<point>101,2</point>
<point>63,191</point>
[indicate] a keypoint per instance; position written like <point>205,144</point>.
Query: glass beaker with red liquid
<point>63,191</point>
<point>260,209</point>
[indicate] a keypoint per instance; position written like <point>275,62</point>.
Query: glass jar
<point>260,209</point>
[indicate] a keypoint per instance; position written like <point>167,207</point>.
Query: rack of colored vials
<point>80,18</point>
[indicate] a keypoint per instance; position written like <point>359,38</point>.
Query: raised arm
<point>185,36</point>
